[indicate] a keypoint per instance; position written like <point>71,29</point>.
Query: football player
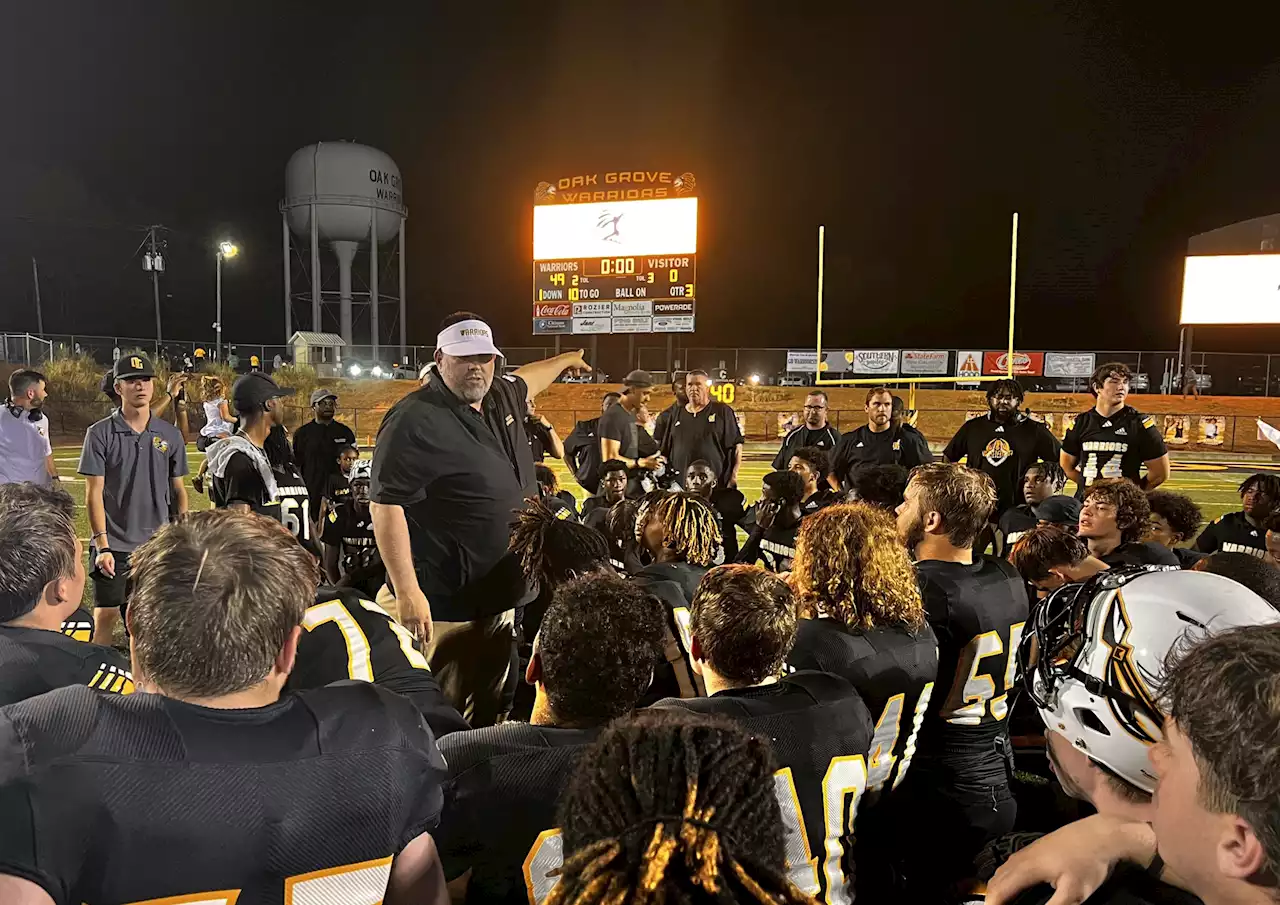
<point>613,487</point>
<point>674,807</point>
<point>279,794</point>
<point>42,578</point>
<point>592,662</point>
<point>1042,481</point>
<point>741,629</point>
<point>866,623</point>
<point>1106,723</point>
<point>811,464</point>
<point>350,551</point>
<point>1244,531</point>
<point>1175,519</point>
<point>1004,443</point>
<point>1049,556</point>
<point>1114,440</point>
<point>728,503</point>
<point>1113,520</point>
<point>253,470</point>
<point>680,534</point>
<point>957,795</point>
<point>777,522</point>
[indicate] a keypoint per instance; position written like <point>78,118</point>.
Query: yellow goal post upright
<point>911,383</point>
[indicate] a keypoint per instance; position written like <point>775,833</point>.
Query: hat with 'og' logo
<point>134,365</point>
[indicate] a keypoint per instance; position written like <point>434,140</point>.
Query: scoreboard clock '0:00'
<point>621,278</point>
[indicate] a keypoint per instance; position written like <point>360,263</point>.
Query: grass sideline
<point>1212,486</point>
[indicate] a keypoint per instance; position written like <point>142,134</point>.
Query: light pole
<point>225,250</point>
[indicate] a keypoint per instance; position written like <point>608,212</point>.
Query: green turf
<point>1211,486</point>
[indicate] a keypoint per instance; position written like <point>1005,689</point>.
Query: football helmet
<point>1095,655</point>
<point>361,470</point>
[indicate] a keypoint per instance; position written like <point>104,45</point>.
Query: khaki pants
<point>471,660</point>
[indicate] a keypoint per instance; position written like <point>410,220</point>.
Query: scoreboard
<point>615,267</point>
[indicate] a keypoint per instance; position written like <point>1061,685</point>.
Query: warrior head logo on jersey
<point>997,451</point>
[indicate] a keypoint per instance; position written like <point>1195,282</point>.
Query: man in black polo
<point>814,432</point>
<point>1114,440</point>
<point>133,465</point>
<point>704,429</point>
<point>317,443</point>
<point>450,468</point>
<point>878,442</point>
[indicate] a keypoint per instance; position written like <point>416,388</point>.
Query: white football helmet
<point>361,470</point>
<point>1100,649</point>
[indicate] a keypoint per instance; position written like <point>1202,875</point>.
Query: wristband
<point>100,534</point>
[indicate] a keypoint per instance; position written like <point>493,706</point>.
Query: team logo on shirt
<point>160,443</point>
<point>1148,421</point>
<point>997,451</point>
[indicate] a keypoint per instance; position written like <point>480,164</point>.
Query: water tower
<point>347,198</point>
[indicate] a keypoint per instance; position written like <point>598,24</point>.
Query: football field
<point>1212,485</point>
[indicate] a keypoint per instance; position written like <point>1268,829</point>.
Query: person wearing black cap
<point>247,473</point>
<point>133,465</point>
<point>450,468</point>
<point>619,431</point>
<point>317,443</point>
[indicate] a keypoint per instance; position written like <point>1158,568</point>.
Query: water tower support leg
<point>316,323</point>
<point>404,224</point>
<point>374,299</point>
<point>288,278</point>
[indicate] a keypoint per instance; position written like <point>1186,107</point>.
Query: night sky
<point>1118,130</point>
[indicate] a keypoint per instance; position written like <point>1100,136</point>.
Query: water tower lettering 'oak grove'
<point>348,197</point>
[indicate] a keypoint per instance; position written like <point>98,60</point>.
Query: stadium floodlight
<point>376,372</point>
<point>910,380</point>
<point>354,370</point>
<point>755,380</point>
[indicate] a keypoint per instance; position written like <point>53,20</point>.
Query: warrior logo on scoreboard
<point>610,220</point>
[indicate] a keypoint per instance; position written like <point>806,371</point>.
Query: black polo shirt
<point>460,475</point>
<point>315,449</point>
<point>825,438</point>
<point>710,434</point>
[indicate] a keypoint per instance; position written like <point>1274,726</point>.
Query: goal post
<point>912,381</point>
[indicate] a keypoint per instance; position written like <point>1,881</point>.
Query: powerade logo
<point>673,307</point>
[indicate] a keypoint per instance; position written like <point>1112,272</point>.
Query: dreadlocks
<point>673,807</point>
<point>553,550</point>
<point>689,526</point>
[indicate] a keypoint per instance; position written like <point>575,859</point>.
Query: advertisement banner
<point>875,361</point>
<point>1028,364</point>
<point>802,361</point>
<point>968,364</point>
<point>1069,364</point>
<point>591,325</point>
<point>924,361</point>
<point>592,309</point>
<point>678,324</point>
<point>633,324</point>
<point>553,309</point>
<point>548,325</point>
<point>632,309</point>
<point>674,308</point>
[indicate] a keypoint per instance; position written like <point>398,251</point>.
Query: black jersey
<point>337,489</point>
<point>821,499</point>
<point>33,661</point>
<point>1141,553</point>
<point>978,612</point>
<point>1017,522</point>
<point>864,447</point>
<point>242,483</point>
<point>1113,446</point>
<point>327,783</point>
<point>821,731</point>
<point>674,583</point>
<point>1233,533</point>
<point>1003,450</point>
<point>78,625</point>
<point>775,547</point>
<point>349,637</point>
<point>351,531</point>
<point>824,438</point>
<point>500,808</point>
<point>894,669</point>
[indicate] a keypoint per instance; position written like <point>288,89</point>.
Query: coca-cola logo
<point>673,307</point>
<point>560,310</point>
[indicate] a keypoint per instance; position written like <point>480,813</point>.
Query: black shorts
<point>109,592</point>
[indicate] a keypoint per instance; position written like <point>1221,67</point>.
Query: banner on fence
<point>802,361</point>
<point>1026,364</point>
<point>968,364</point>
<point>1069,364</point>
<point>875,361</point>
<point>924,361</point>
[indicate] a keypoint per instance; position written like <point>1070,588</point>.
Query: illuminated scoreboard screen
<point>615,267</point>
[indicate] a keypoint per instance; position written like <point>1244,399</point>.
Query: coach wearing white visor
<point>450,468</point>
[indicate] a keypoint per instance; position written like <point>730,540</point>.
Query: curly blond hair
<point>851,566</point>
